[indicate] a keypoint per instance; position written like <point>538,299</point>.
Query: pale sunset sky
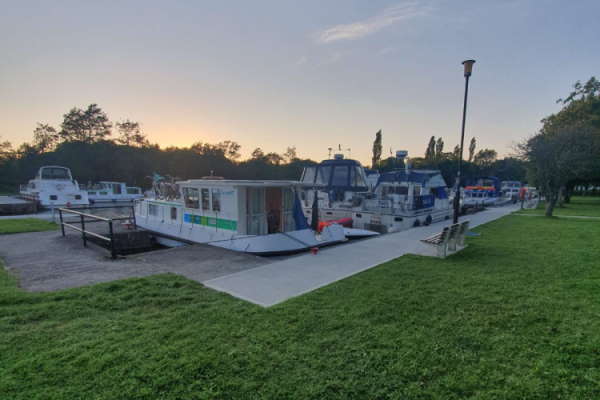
<point>310,74</point>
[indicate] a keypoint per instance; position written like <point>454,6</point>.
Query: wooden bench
<point>439,241</point>
<point>449,239</point>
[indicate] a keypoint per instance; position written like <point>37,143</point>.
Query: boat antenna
<point>349,152</point>
<point>330,149</point>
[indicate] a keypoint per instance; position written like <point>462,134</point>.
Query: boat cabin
<point>113,191</point>
<point>225,207</point>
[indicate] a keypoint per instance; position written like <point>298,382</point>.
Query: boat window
<point>173,212</point>
<point>357,177</point>
<point>309,175</point>
<point>340,176</point>
<point>205,199</point>
<point>255,205</point>
<point>288,210</point>
<point>133,190</point>
<point>323,175</point>
<point>190,197</point>
<point>55,173</point>
<point>152,210</point>
<point>116,188</point>
<point>216,199</point>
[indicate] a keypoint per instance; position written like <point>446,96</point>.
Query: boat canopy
<point>430,178</point>
<point>55,172</point>
<point>337,174</point>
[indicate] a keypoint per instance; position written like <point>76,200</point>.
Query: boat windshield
<point>55,173</point>
<point>309,175</point>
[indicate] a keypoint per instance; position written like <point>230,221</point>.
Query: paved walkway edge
<point>278,281</point>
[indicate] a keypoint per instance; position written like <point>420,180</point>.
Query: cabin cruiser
<point>258,217</point>
<point>112,192</point>
<point>54,186</point>
<point>402,199</point>
<point>339,185</point>
<point>387,202</point>
<point>483,192</point>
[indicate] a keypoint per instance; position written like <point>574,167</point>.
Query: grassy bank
<point>20,225</point>
<point>515,315</point>
<point>579,205</point>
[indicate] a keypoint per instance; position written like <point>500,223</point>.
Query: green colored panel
<point>227,224</point>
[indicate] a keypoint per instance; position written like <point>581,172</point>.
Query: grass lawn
<point>515,315</point>
<point>588,206</point>
<point>20,225</point>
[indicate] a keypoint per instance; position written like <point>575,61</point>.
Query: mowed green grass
<point>515,315</point>
<point>20,225</point>
<point>579,205</point>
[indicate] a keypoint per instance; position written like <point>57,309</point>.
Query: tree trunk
<point>561,197</point>
<point>551,199</point>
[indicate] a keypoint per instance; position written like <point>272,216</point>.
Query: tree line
<point>97,149</point>
<point>84,142</point>
<point>484,162</point>
<point>565,152</point>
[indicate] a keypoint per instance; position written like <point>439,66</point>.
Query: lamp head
<point>468,64</point>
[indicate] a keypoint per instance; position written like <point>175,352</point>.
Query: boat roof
<point>414,175</point>
<point>54,166</point>
<point>238,183</point>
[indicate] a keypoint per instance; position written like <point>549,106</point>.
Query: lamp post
<point>468,64</point>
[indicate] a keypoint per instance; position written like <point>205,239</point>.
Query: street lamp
<point>468,64</point>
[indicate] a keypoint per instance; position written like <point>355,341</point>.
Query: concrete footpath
<point>278,281</point>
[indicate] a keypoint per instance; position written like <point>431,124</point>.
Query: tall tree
<point>88,126</point>
<point>130,134</point>
<point>290,154</point>
<point>439,149</point>
<point>6,149</point>
<point>485,158</point>
<point>430,151</point>
<point>45,138</point>
<point>257,154</point>
<point>377,149</point>
<point>472,147</point>
<point>456,152</point>
<point>231,149</point>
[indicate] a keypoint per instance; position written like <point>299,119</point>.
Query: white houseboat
<point>54,186</point>
<point>259,217</point>
<point>388,202</point>
<point>112,192</point>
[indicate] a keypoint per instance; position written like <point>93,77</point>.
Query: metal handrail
<point>89,218</point>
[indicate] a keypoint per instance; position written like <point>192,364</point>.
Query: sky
<point>309,74</point>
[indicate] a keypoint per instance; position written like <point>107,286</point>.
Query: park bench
<point>449,239</point>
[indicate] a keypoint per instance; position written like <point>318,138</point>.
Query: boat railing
<point>83,218</point>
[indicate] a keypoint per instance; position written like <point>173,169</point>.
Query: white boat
<point>112,192</point>
<point>54,186</point>
<point>510,190</point>
<point>388,202</point>
<point>258,217</point>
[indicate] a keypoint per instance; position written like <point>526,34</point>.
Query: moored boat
<point>54,186</point>
<point>103,192</point>
<point>258,217</point>
<point>381,202</point>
